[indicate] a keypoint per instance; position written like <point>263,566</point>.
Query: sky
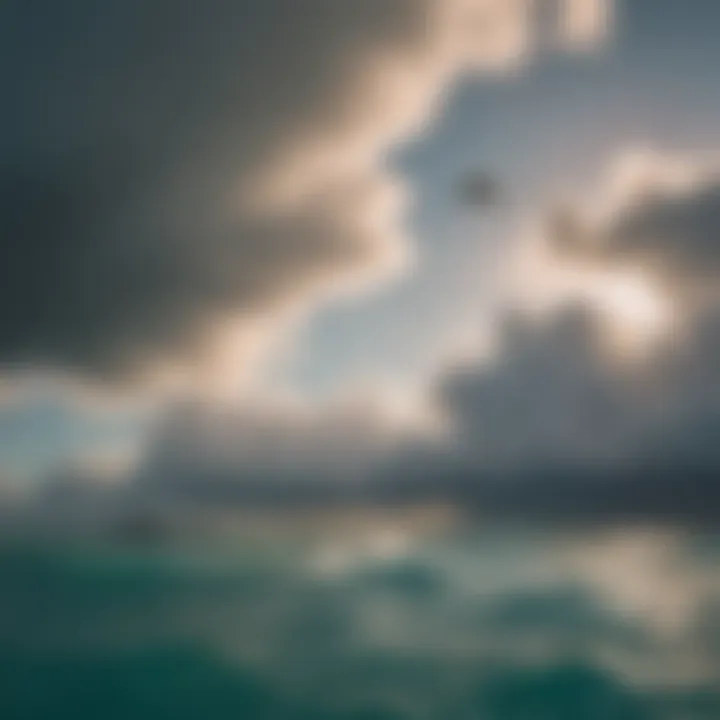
<point>547,129</point>
<point>236,253</point>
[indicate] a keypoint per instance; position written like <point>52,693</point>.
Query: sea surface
<point>506,623</point>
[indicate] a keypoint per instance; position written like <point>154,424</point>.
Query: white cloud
<point>586,23</point>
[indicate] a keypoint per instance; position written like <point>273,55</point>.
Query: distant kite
<point>479,190</point>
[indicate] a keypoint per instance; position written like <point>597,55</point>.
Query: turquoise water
<point>510,625</point>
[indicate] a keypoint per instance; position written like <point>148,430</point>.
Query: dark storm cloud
<point>546,396</point>
<point>557,421</point>
<point>677,234</point>
<point>163,169</point>
<point>131,138</point>
<point>165,166</point>
<point>94,278</point>
<point>268,455</point>
<point>666,229</point>
<point>554,427</point>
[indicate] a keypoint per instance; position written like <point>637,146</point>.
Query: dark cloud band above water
<point>555,422</point>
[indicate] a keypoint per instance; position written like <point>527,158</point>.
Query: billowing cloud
<point>549,396</point>
<point>555,420</point>
<point>272,450</point>
<point>586,22</point>
<point>174,183</point>
<point>177,186</point>
<point>660,221</point>
<point>572,422</point>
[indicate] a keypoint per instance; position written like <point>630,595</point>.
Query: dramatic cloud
<point>175,182</point>
<point>271,451</point>
<point>548,396</point>
<point>586,22</point>
<point>556,420</point>
<point>566,415</point>
<point>661,221</point>
<point>177,186</point>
